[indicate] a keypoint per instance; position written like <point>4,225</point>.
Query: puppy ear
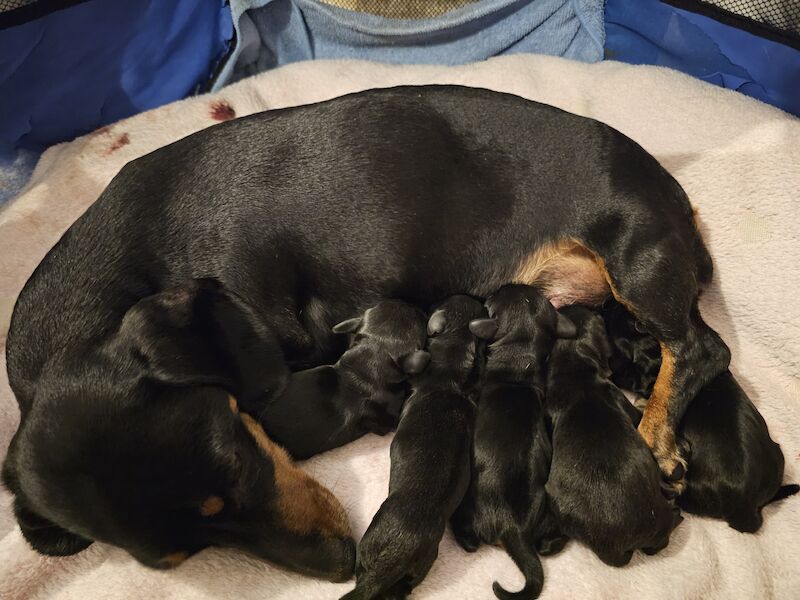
<point>484,329</point>
<point>46,537</point>
<point>415,362</point>
<point>198,333</point>
<point>437,322</point>
<point>348,326</point>
<point>565,328</point>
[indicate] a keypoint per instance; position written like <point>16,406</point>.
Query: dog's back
<point>604,484</point>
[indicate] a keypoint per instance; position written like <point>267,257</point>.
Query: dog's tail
<point>784,492</point>
<point>525,557</point>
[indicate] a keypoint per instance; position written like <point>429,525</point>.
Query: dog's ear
<point>348,326</point>
<point>46,537</point>
<point>415,362</point>
<point>484,329</point>
<point>198,333</point>
<point>437,322</point>
<point>565,328</point>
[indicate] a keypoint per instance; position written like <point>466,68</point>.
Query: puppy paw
<point>550,546</point>
<point>468,540</point>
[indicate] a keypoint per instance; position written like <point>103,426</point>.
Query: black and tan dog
<point>604,486</point>
<point>735,466</point>
<point>506,502</point>
<point>328,406</point>
<point>303,217</point>
<point>430,457</point>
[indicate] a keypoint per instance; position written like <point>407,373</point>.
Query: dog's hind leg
<point>463,522</point>
<point>658,284</point>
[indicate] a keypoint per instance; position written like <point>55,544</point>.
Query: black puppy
<point>604,486</point>
<point>506,502</point>
<point>430,460</point>
<point>328,406</point>
<point>735,466</point>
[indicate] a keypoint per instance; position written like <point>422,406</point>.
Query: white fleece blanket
<point>739,161</point>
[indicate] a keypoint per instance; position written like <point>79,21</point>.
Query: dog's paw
<point>673,466</point>
<point>670,457</point>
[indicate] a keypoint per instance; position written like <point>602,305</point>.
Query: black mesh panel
<point>780,14</point>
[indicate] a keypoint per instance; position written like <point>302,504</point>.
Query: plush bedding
<point>738,160</point>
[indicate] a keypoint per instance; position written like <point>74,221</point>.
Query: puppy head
<point>145,448</point>
<point>522,326</point>
<point>522,309</point>
<point>452,344</point>
<point>590,342</point>
<point>391,336</point>
<point>635,355</point>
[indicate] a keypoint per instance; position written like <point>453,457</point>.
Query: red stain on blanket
<point>222,111</point>
<point>121,141</point>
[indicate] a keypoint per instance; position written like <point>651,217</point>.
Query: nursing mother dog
<point>209,269</point>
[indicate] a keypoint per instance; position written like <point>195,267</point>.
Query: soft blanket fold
<point>738,160</point>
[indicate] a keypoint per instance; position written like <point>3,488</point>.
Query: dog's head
<point>453,347</point>
<point>590,342</point>
<point>142,445</point>
<point>522,327</point>
<point>387,342</point>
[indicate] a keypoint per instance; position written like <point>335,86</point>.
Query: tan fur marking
<point>233,404</point>
<point>305,505</point>
<point>211,506</point>
<point>566,271</point>
<point>174,559</point>
<point>654,420</point>
<point>601,264</point>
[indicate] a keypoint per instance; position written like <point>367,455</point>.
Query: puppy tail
<point>525,557</point>
<point>784,492</point>
<point>370,585</point>
<point>363,591</point>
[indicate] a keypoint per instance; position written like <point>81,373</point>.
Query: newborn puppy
<point>506,502</point>
<point>329,406</point>
<point>735,468</point>
<point>430,457</point>
<point>604,485</point>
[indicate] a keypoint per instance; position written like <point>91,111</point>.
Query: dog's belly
<point>567,272</point>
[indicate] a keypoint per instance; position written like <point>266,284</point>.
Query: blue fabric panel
<point>96,62</point>
<point>651,32</point>
<point>277,32</point>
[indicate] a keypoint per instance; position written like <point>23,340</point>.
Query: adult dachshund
<point>209,268</point>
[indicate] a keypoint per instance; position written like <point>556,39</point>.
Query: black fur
<point>430,460</point>
<point>306,216</point>
<point>604,486</point>
<point>735,468</point>
<point>506,502</point>
<point>328,406</point>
